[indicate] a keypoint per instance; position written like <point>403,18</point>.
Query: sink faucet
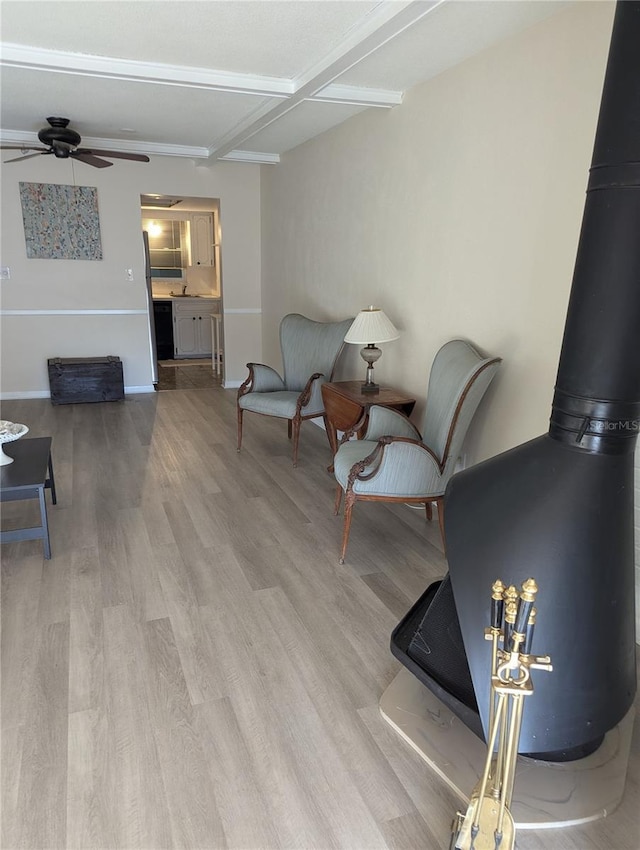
<point>184,289</point>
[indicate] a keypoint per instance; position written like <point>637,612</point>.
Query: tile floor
<point>186,375</point>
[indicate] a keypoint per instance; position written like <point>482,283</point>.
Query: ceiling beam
<point>380,27</point>
<point>131,70</point>
<point>158,73</point>
<point>281,95</point>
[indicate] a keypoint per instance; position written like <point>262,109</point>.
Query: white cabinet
<point>192,326</point>
<point>185,337</point>
<point>201,226</point>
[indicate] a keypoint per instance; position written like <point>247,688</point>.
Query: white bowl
<point>9,431</point>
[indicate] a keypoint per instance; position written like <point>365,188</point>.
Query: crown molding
<point>252,156</point>
<point>357,96</point>
<point>19,137</point>
<point>150,148</point>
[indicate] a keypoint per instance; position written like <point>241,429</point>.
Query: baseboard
<point>146,388</point>
<point>25,394</point>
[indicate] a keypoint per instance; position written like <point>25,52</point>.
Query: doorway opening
<point>184,282</point>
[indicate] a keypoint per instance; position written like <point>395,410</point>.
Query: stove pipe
<point>560,507</point>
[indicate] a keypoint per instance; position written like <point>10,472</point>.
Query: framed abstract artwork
<point>60,222</point>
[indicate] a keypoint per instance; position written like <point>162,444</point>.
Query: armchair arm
<point>262,379</point>
<point>385,421</point>
<point>355,428</point>
<point>398,466</point>
<point>311,395</point>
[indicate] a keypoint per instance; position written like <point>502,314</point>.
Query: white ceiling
<point>233,79</point>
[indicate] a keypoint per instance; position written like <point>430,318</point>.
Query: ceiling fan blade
<point>85,156</point>
<point>137,157</point>
<point>22,148</point>
<point>26,156</point>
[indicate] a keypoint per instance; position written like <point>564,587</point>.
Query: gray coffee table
<point>30,474</point>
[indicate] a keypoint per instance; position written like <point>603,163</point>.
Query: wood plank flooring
<point>193,668</point>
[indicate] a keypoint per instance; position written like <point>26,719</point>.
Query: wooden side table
<point>345,404</point>
<point>30,474</point>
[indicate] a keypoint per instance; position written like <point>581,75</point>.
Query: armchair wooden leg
<point>296,439</point>
<point>429,511</point>
<point>440,506</point>
<point>330,433</point>
<point>336,506</point>
<point>289,429</point>
<point>349,502</point>
<point>331,437</point>
<point>240,412</point>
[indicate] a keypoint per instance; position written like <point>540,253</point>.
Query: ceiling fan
<point>63,143</point>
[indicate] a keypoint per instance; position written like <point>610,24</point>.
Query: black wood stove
<point>560,507</point>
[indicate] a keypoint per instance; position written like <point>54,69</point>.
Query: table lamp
<point>369,327</point>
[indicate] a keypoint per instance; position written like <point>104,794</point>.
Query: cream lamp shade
<point>369,327</point>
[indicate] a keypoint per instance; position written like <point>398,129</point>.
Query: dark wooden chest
<point>80,379</point>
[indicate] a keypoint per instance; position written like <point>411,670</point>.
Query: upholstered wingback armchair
<point>309,354</point>
<point>394,462</point>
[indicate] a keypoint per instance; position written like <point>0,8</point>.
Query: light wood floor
<point>193,668</point>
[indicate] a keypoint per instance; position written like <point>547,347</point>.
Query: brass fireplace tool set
<point>488,823</point>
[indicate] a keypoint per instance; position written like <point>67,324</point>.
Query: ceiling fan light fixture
<point>61,150</point>
<point>58,132</point>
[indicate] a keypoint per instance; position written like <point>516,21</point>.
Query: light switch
<point>5,273</point>
<point>129,274</point>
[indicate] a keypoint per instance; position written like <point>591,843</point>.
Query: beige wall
<point>458,213</point>
<point>30,337</point>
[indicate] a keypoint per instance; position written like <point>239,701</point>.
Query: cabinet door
<point>202,239</point>
<point>186,335</point>
<point>205,336</point>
